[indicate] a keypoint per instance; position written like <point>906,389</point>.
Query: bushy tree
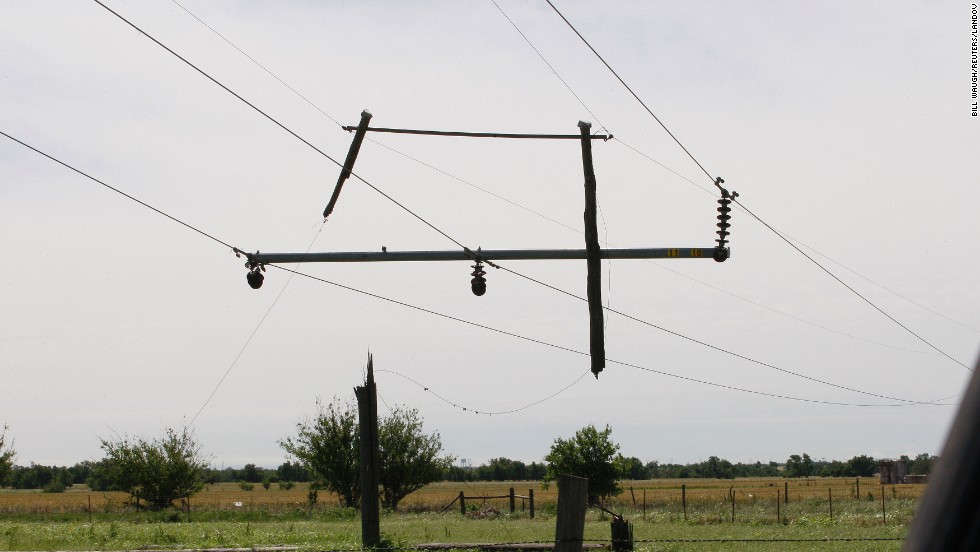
<point>6,457</point>
<point>410,459</point>
<point>923,464</point>
<point>592,454</point>
<point>797,466</point>
<point>158,471</point>
<point>329,446</point>
<point>862,466</point>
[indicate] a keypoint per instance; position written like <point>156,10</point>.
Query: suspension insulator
<point>478,284</point>
<point>724,208</point>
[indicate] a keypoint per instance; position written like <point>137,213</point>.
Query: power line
<point>553,70</point>
<point>715,347</point>
<point>256,62</point>
<point>662,125</point>
<point>536,213</point>
<point>854,291</point>
<point>406,208</point>
<point>488,413</point>
<point>740,204</point>
<point>585,354</point>
<point>120,192</point>
<point>252,335</point>
<point>280,125</point>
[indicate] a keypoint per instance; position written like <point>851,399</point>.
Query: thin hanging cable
<point>254,331</point>
<point>740,204</point>
<point>895,293</point>
<point>854,291</point>
<point>611,70</point>
<point>120,192</point>
<point>256,62</point>
<point>553,70</point>
<point>715,347</point>
<point>545,217</point>
<point>487,412</point>
<point>903,402</point>
<point>495,265</point>
<point>280,125</point>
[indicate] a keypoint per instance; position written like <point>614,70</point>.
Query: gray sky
<point>844,125</point>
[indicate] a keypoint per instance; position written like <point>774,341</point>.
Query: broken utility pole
<point>367,415</point>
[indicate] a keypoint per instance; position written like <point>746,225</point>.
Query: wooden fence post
<point>462,503</point>
<point>512,504</point>
<point>644,503</point>
<point>830,499</point>
<point>573,496</point>
<point>858,481</point>
<point>684,499</point>
<point>622,534</point>
<point>785,492</point>
<point>530,499</point>
<point>779,517</point>
<point>883,521</point>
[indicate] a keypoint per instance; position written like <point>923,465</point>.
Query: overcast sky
<point>844,125</point>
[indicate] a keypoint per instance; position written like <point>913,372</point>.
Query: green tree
<point>250,474</point>
<point>158,471</point>
<point>633,468</point>
<point>410,459</point>
<point>862,466</point>
<point>798,466</point>
<point>328,446</point>
<point>923,464</point>
<point>592,454</point>
<point>6,457</point>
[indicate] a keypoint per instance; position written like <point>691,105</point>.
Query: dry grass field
<point>654,495</point>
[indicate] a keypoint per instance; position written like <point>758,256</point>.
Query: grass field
<point>224,515</point>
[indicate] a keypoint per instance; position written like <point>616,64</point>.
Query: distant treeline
<point>58,478</point>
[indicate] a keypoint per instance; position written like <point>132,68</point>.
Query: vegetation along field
<point>225,515</point>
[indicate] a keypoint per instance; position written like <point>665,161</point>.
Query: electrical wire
<point>854,291</point>
<point>715,347</point>
<point>553,70</point>
<point>545,217</point>
<point>740,204</point>
<point>476,324</point>
<point>118,191</point>
<point>903,402</point>
<point>652,114</point>
<point>488,413</point>
<point>279,124</point>
<point>389,197</point>
<point>252,335</point>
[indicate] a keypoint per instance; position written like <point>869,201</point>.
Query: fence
<point>512,498</point>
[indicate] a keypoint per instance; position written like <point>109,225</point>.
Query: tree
<point>250,474</point>
<point>799,467</point>
<point>922,464</point>
<point>6,457</point>
<point>158,471</point>
<point>862,466</point>
<point>328,446</point>
<point>592,454</point>
<point>410,459</point>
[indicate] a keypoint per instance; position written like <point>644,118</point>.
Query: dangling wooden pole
<point>597,340</point>
<point>345,172</point>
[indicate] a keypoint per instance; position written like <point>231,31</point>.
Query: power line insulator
<point>478,284</point>
<point>254,276</point>
<point>724,208</point>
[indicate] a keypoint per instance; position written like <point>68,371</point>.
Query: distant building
<point>893,471</point>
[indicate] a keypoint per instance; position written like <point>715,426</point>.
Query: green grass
<point>328,530</point>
